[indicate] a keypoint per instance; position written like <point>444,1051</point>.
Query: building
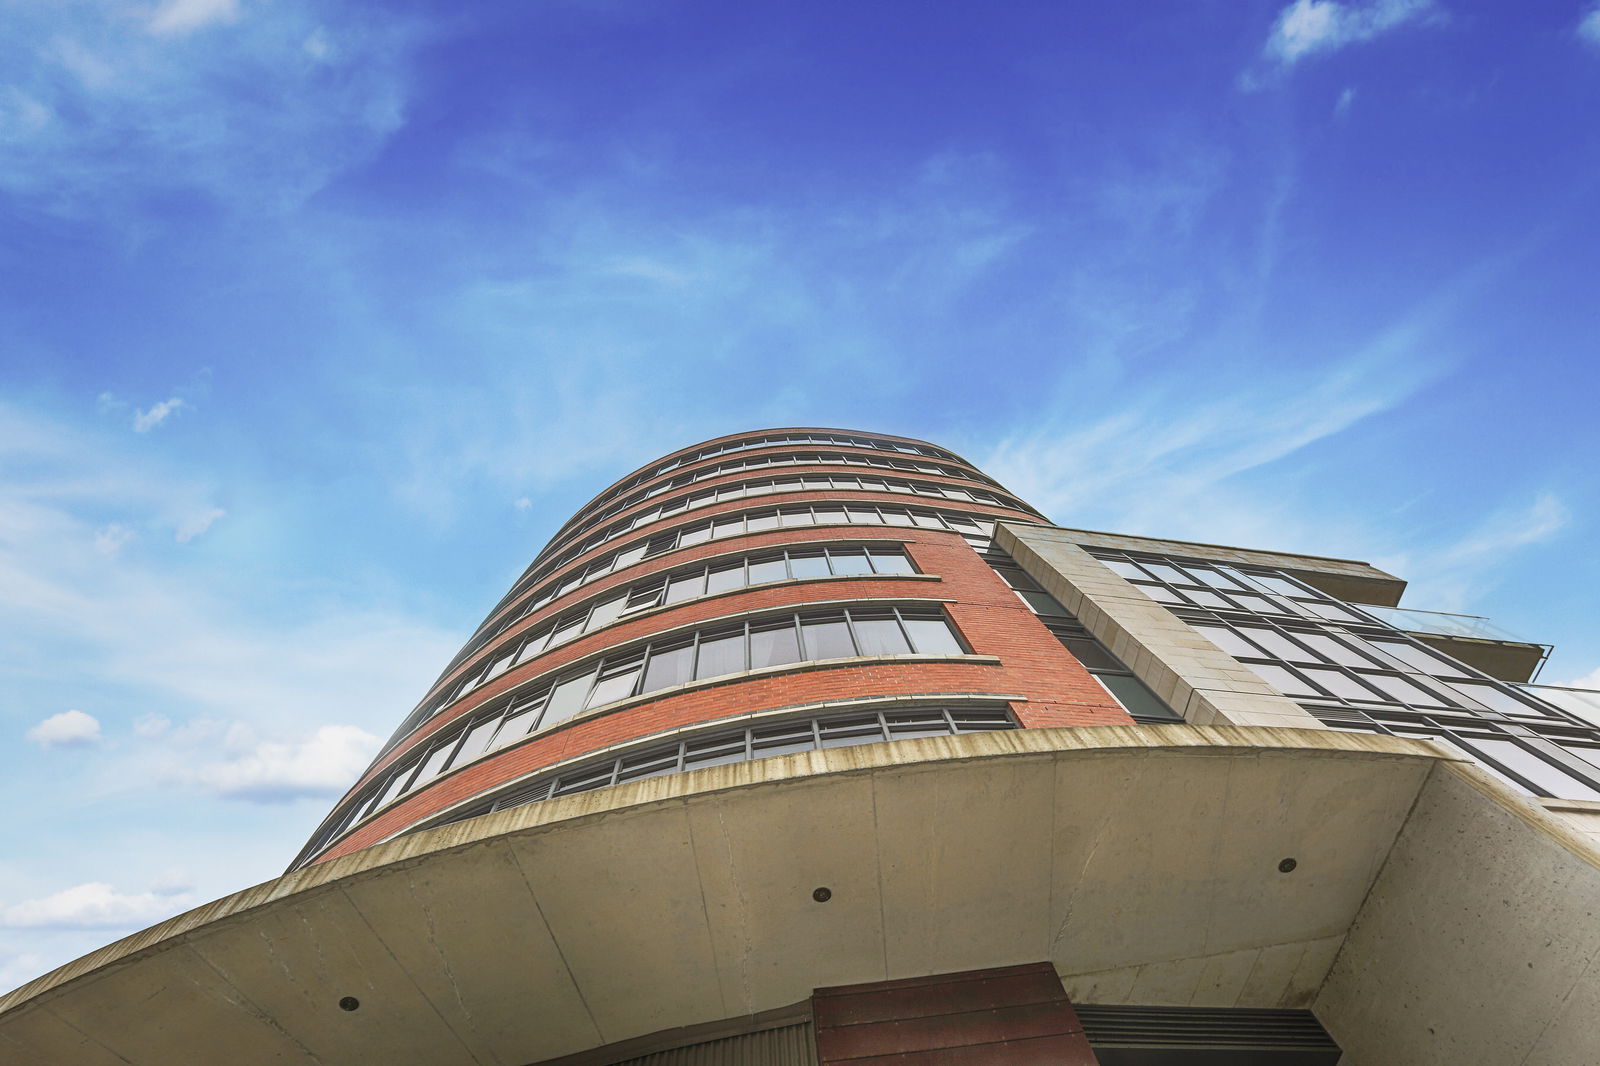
<point>818,746</point>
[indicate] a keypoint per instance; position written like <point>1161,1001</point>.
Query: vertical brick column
<point>1015,1016</point>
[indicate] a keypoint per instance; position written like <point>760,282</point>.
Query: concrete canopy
<point>1144,862</point>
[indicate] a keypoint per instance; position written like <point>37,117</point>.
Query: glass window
<point>686,586</point>
<point>878,634</point>
<point>761,520</point>
<point>725,576</point>
<point>477,738</point>
<point>767,568</point>
<point>721,652</point>
<point>1333,650</point>
<point>435,761</point>
<point>807,564</point>
<point>701,531</point>
<point>1207,599</point>
<point>1135,698</point>
<point>1258,604</point>
<point>1549,779</point>
<point>1126,569</point>
<point>1340,684</point>
<point>648,595</point>
<point>568,627</point>
<point>773,643</point>
<point>926,520</point>
<point>1403,691</point>
<point>782,739</point>
<point>1228,640</point>
<point>891,561</point>
<point>826,637</point>
<point>1092,655</point>
<point>829,513</point>
<point>713,751</point>
<point>1491,697</point>
<point>1278,645</point>
<point>616,681</point>
<point>607,611</point>
<point>893,516</point>
<point>858,730</point>
<point>850,562</point>
<point>567,698</point>
<point>1418,659</point>
<point>1282,680</point>
<point>916,724</point>
<point>523,717</point>
<point>670,664</point>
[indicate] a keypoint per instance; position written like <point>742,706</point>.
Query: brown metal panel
<point>1015,1016</point>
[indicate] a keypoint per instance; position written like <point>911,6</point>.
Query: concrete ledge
<point>548,929</point>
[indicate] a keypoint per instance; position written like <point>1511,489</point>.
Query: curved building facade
<point>753,595</point>
<point>810,747</point>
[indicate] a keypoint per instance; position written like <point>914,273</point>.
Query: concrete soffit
<point>549,929</point>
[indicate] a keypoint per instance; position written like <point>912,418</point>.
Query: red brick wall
<point>1055,689</point>
<point>993,621</point>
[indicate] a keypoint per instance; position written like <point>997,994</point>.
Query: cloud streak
<point>106,104</point>
<point>1308,27</point>
<point>145,421</point>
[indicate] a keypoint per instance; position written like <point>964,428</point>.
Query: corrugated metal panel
<point>789,1045</point>
<point>1237,1029</point>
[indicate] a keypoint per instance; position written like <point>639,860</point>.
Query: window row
<point>767,441</point>
<point>754,462</point>
<point>703,579</point>
<point>715,748</point>
<point>1540,761</point>
<point>1225,588</point>
<point>728,525</point>
<point>1355,672</point>
<point>769,486</point>
<point>675,659</point>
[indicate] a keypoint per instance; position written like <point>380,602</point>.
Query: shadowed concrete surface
<point>1143,862</point>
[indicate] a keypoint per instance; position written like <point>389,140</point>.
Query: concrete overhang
<point>1145,862</point>
<point>1343,579</point>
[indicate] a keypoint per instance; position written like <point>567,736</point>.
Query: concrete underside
<point>1143,862</point>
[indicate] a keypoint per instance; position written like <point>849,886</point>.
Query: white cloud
<point>186,16</point>
<point>197,524</point>
<point>68,729</point>
<point>1590,680</point>
<point>109,540</point>
<point>523,503</point>
<point>1306,27</point>
<point>151,726</point>
<point>97,905</point>
<point>1589,26</point>
<point>145,421</point>
<point>274,771</point>
<point>1341,107</point>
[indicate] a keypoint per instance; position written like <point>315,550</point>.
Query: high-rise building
<point>812,746</point>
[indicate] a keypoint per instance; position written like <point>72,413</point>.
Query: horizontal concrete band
<point>436,845</point>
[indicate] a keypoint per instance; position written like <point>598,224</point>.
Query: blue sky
<point>317,318</point>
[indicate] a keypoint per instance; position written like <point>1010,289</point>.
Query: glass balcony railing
<point>1443,624</point>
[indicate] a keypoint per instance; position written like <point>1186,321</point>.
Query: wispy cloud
<point>1589,26</point>
<point>69,729</point>
<point>98,905</point>
<point>1307,27</point>
<point>186,16</point>
<point>146,420</point>
<point>197,524</point>
<point>107,102</point>
<point>1451,575</point>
